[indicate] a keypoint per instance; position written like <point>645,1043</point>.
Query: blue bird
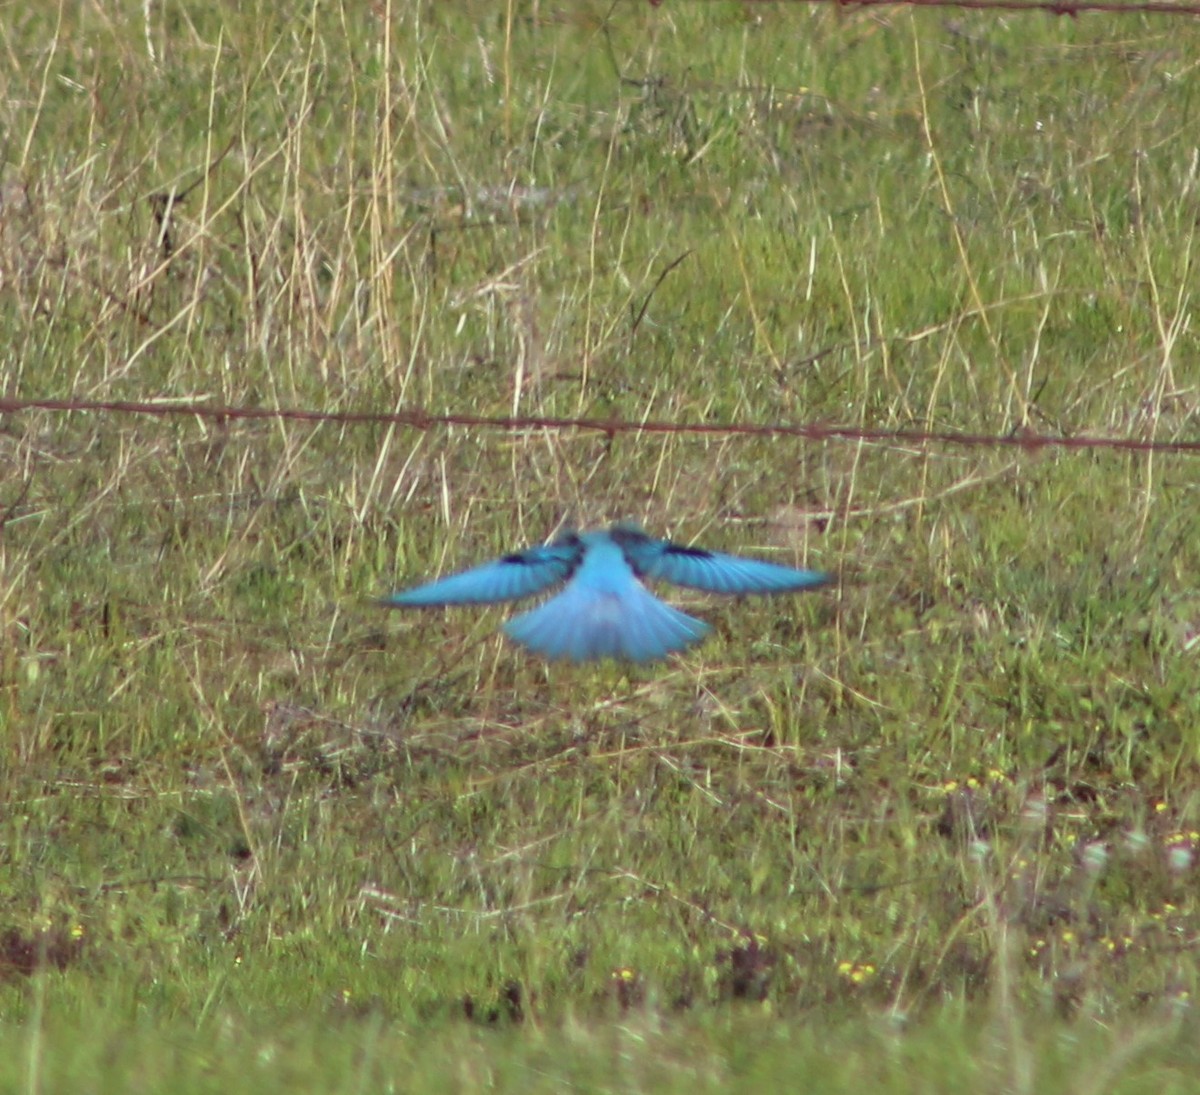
<point>604,610</point>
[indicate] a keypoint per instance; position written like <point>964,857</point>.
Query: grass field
<point>932,829</point>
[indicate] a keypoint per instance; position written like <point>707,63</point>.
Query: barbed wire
<point>1053,7</point>
<point>420,419</point>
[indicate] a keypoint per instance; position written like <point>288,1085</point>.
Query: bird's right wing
<point>710,571</point>
<point>521,574</point>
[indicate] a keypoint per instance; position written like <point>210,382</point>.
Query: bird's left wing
<point>521,574</point>
<point>711,571</point>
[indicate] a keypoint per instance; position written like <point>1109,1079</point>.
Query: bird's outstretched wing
<point>521,574</point>
<point>711,571</point>
<point>583,623</point>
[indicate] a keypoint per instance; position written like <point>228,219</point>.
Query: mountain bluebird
<point>604,610</point>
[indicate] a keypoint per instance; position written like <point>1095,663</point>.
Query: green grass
<point>932,829</point>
